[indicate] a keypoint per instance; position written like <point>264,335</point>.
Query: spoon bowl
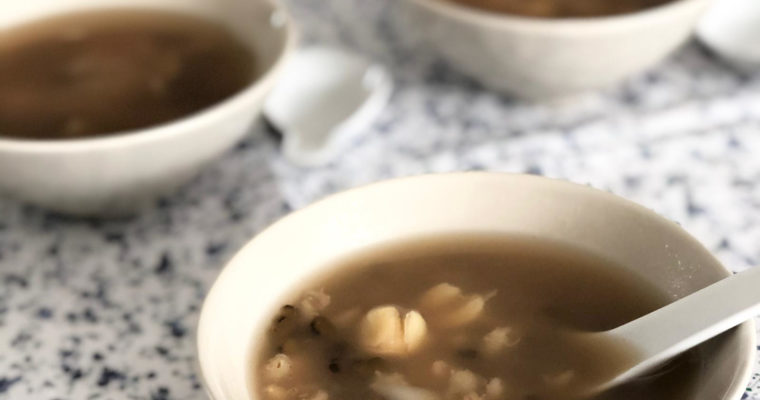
<point>684,324</point>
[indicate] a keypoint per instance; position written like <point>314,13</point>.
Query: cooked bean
<point>334,366</point>
<point>322,326</point>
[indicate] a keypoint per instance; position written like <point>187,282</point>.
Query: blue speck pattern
<point>107,309</point>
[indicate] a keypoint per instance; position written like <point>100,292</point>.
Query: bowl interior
<point>243,299</point>
<point>259,24</point>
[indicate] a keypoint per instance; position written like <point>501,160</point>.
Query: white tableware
<point>732,29</point>
<point>327,97</point>
<point>539,58</point>
<point>241,303</point>
<point>116,174</point>
<point>685,323</point>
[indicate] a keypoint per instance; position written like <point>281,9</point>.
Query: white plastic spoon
<point>685,323</point>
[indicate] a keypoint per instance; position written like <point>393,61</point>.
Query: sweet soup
<point>110,71</point>
<point>562,8</point>
<point>461,318</point>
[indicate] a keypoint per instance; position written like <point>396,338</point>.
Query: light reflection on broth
<point>471,317</point>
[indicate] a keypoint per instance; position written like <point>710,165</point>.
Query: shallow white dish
<point>238,308</point>
<point>117,174</point>
<point>324,101</point>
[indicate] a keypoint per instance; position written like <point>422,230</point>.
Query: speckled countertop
<point>108,309</point>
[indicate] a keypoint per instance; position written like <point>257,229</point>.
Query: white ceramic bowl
<point>251,287</point>
<point>545,58</point>
<point>116,174</point>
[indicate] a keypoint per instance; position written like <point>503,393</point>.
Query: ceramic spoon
<point>687,322</point>
<point>326,99</point>
<point>732,29</point>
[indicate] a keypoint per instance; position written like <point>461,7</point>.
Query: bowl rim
<point>176,126</point>
<point>734,389</point>
<point>476,16</point>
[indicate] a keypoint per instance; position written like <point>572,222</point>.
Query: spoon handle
<point>691,320</point>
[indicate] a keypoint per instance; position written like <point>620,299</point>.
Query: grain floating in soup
<point>472,317</point>
<point>103,72</point>
<point>562,8</point>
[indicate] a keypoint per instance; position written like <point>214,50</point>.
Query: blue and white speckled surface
<point>108,309</point>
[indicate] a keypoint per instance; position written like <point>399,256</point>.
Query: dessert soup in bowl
<point>118,171</point>
<point>243,303</point>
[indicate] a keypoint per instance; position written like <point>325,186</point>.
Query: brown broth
<point>104,72</point>
<point>562,8</point>
<point>541,291</point>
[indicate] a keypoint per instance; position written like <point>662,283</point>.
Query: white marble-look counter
<point>107,309</point>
